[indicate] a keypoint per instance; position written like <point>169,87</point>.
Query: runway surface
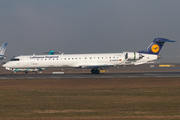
<point>94,76</point>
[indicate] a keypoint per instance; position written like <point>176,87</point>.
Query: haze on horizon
<point>89,26</point>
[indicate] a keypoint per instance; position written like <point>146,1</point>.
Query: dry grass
<point>87,99</point>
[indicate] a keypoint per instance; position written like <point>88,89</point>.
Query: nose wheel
<point>95,71</point>
<point>12,73</point>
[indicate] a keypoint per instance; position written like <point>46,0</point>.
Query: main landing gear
<point>95,71</point>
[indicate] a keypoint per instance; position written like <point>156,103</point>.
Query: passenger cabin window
<point>15,59</point>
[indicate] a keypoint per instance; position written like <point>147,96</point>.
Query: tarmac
<point>141,71</point>
<point>93,76</point>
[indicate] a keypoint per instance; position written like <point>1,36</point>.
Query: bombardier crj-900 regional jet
<point>2,51</point>
<point>95,62</point>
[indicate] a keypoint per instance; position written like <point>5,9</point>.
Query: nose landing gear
<point>95,71</point>
<point>13,72</point>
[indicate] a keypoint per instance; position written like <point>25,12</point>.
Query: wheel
<point>93,71</point>
<point>97,71</point>
<point>26,72</point>
<point>12,73</point>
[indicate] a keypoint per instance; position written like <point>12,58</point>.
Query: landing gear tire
<point>93,71</point>
<point>12,73</point>
<point>26,72</point>
<point>97,71</point>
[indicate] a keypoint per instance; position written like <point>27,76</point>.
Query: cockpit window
<point>15,59</point>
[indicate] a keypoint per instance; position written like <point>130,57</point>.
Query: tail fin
<point>155,46</point>
<point>3,49</point>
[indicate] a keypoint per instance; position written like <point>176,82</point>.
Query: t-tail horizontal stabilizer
<point>155,46</point>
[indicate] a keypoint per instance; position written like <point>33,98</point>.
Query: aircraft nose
<point>6,65</point>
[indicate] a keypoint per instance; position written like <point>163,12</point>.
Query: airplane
<point>95,62</point>
<point>2,51</point>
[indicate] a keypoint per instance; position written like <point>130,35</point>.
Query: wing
<point>96,66</point>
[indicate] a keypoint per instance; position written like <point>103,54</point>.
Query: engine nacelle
<point>133,56</point>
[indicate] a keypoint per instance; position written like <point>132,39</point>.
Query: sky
<point>89,26</point>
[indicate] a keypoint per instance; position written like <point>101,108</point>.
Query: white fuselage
<point>77,60</point>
